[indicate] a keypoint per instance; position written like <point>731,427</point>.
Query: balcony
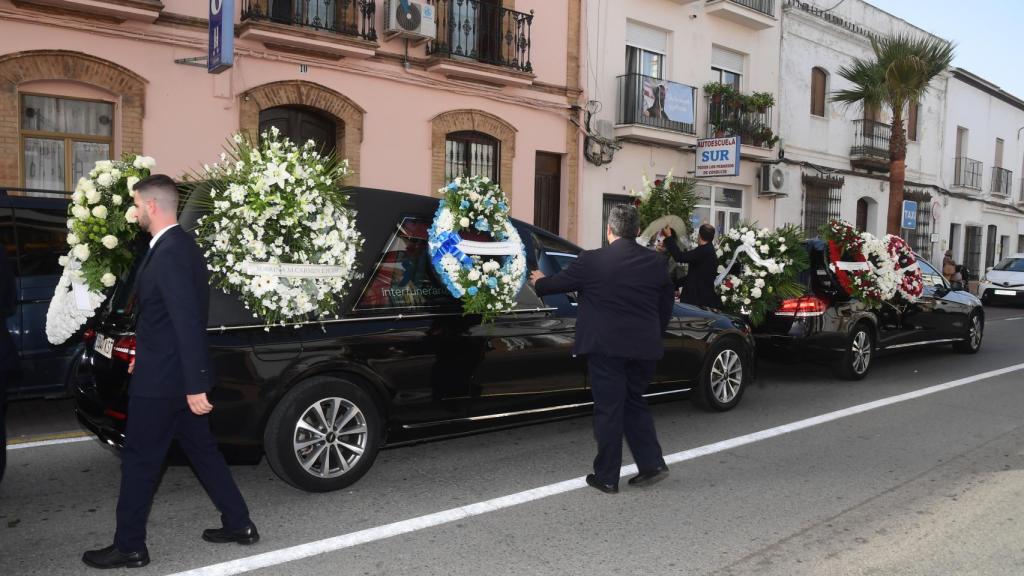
<point>754,14</point>
<point>656,111</point>
<point>119,10</point>
<point>747,116</point>
<point>332,28</point>
<point>1002,182</point>
<point>967,173</point>
<point>870,150</point>
<point>479,31</point>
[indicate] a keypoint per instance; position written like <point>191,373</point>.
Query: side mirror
<point>957,286</point>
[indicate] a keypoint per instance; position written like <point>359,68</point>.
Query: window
<point>404,278</point>
<point>990,246</point>
<point>912,121</point>
<point>470,154</point>
<point>646,48</point>
<point>1020,243</point>
<point>726,67</point>
<point>862,215</point>
<point>608,202</point>
<point>1011,265</point>
<point>930,276</point>
<point>999,153</point>
<point>972,249</point>
<point>61,139</point>
<point>42,240</point>
<point>954,240</point>
<point>821,204</point>
<point>818,81</point>
<point>1004,247</point>
<point>961,141</point>
<point>721,207</point>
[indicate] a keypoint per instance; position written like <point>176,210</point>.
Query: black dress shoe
<point>606,488</point>
<point>111,557</point>
<point>651,477</point>
<point>247,535</point>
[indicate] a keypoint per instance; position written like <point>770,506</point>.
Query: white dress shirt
<point>159,234</point>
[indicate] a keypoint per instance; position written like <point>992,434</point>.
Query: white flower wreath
<point>487,276</point>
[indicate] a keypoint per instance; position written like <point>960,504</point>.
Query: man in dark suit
<point>699,285</point>
<point>8,353</point>
<point>625,302</point>
<point>170,379</point>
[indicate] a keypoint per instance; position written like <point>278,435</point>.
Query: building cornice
<point>989,88</point>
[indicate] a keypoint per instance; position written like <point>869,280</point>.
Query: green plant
<point>761,101</point>
<point>671,196</point>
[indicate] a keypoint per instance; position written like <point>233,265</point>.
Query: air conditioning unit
<point>408,19</point>
<point>772,181</point>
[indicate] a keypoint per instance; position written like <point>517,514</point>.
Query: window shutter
<point>912,122</point>
<point>818,92</point>
<point>726,59</point>
<point>646,37</point>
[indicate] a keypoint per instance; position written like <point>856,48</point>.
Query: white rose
<point>464,222</point>
<point>80,212</point>
<point>764,249</point>
<point>756,292</point>
<point>81,252</point>
<point>132,181</point>
<point>63,261</point>
<point>782,248</point>
<point>474,275</point>
<point>117,200</point>
<point>746,301</point>
<point>100,212</point>
<point>105,179</point>
<point>144,162</point>
<point>93,196</point>
<point>108,280</point>
<point>110,242</point>
<point>73,239</point>
<point>759,283</point>
<point>104,165</point>
<point>721,269</point>
<point>131,215</point>
<point>77,197</point>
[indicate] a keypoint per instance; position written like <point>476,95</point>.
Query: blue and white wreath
<point>486,276</point>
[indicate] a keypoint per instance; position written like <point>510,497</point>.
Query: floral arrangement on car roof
<point>475,249</point>
<point>279,233</point>
<point>101,228</point>
<point>759,268</point>
<point>861,263</point>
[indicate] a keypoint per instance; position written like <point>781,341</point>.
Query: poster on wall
<point>718,157</point>
<point>665,100</point>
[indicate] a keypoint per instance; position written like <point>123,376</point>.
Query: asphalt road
<point>932,485</point>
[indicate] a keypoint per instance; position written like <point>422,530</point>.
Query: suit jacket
<point>699,286</point>
<point>172,357</point>
<point>625,300</point>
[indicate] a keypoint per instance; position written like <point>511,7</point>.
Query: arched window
<point>818,81</point>
<point>470,154</point>
<point>300,124</point>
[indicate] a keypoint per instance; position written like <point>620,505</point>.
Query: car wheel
<point>855,361</point>
<point>975,333</point>
<point>324,435</point>
<point>986,300</point>
<point>724,377</point>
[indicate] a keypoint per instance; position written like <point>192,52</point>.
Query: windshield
<point>1011,265</point>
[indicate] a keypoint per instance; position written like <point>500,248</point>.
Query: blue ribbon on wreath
<point>448,243</point>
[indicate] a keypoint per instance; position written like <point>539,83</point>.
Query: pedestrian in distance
<point>170,376</point>
<point>949,266</point>
<point>625,303</point>
<point>699,284</point>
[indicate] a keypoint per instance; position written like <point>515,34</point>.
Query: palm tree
<point>899,75</point>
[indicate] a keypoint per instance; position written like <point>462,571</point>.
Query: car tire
<point>323,435</point>
<point>855,362</point>
<point>986,300</point>
<point>724,377</point>
<point>975,334</point>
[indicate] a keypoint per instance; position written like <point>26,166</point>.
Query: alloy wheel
<point>977,331</point>
<point>726,376</point>
<point>330,437</point>
<point>861,352</point>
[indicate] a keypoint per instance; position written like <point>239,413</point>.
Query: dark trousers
<point>152,424</point>
<point>618,385</point>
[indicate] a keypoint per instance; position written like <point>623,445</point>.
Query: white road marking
<point>351,539</point>
<point>1010,319</point>
<point>49,442</point>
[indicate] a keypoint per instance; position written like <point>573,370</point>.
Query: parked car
<point>1004,282</point>
<point>402,363</point>
<point>33,230</point>
<point>826,323</point>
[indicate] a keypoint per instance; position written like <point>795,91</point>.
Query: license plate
<point>104,345</point>
<point>1006,292</point>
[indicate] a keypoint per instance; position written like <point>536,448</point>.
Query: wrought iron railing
<point>349,17</point>
<point>484,31</point>
<point>967,173</point>
<point>752,125</point>
<point>871,140</point>
<point>762,6</point>
<point>658,103</point>
<point>1002,181</point>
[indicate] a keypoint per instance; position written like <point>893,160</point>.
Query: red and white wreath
<point>911,282</point>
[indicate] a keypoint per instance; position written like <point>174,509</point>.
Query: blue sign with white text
<point>221,52</point>
<point>910,214</point>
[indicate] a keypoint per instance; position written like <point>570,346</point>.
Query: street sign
<point>718,157</point>
<point>910,215</point>
<point>221,48</point>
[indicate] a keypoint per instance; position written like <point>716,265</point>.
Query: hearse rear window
<point>404,278</point>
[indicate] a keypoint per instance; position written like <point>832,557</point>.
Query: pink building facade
<point>494,93</point>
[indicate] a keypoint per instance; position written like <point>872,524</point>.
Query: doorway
<point>300,125</point>
<point>547,191</point>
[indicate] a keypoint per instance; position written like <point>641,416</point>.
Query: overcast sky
<point>988,33</point>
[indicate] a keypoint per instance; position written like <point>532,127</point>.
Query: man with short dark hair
<point>169,381</point>
<point>625,303</point>
<point>699,284</point>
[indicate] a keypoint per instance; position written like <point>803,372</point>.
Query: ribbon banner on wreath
<point>485,275</point>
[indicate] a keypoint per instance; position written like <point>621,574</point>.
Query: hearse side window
<point>7,237</point>
<point>404,278</point>
<point>42,240</point>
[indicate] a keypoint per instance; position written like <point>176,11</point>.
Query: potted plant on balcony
<point>763,137</point>
<point>760,102</point>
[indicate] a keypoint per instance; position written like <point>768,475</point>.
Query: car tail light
<point>124,348</point>
<point>89,335</point>
<point>803,307</point>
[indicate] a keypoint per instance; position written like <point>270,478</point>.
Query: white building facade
<point>647,64</point>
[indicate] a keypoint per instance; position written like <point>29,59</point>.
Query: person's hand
<point>536,275</point>
<point>199,404</point>
<point>131,365</point>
